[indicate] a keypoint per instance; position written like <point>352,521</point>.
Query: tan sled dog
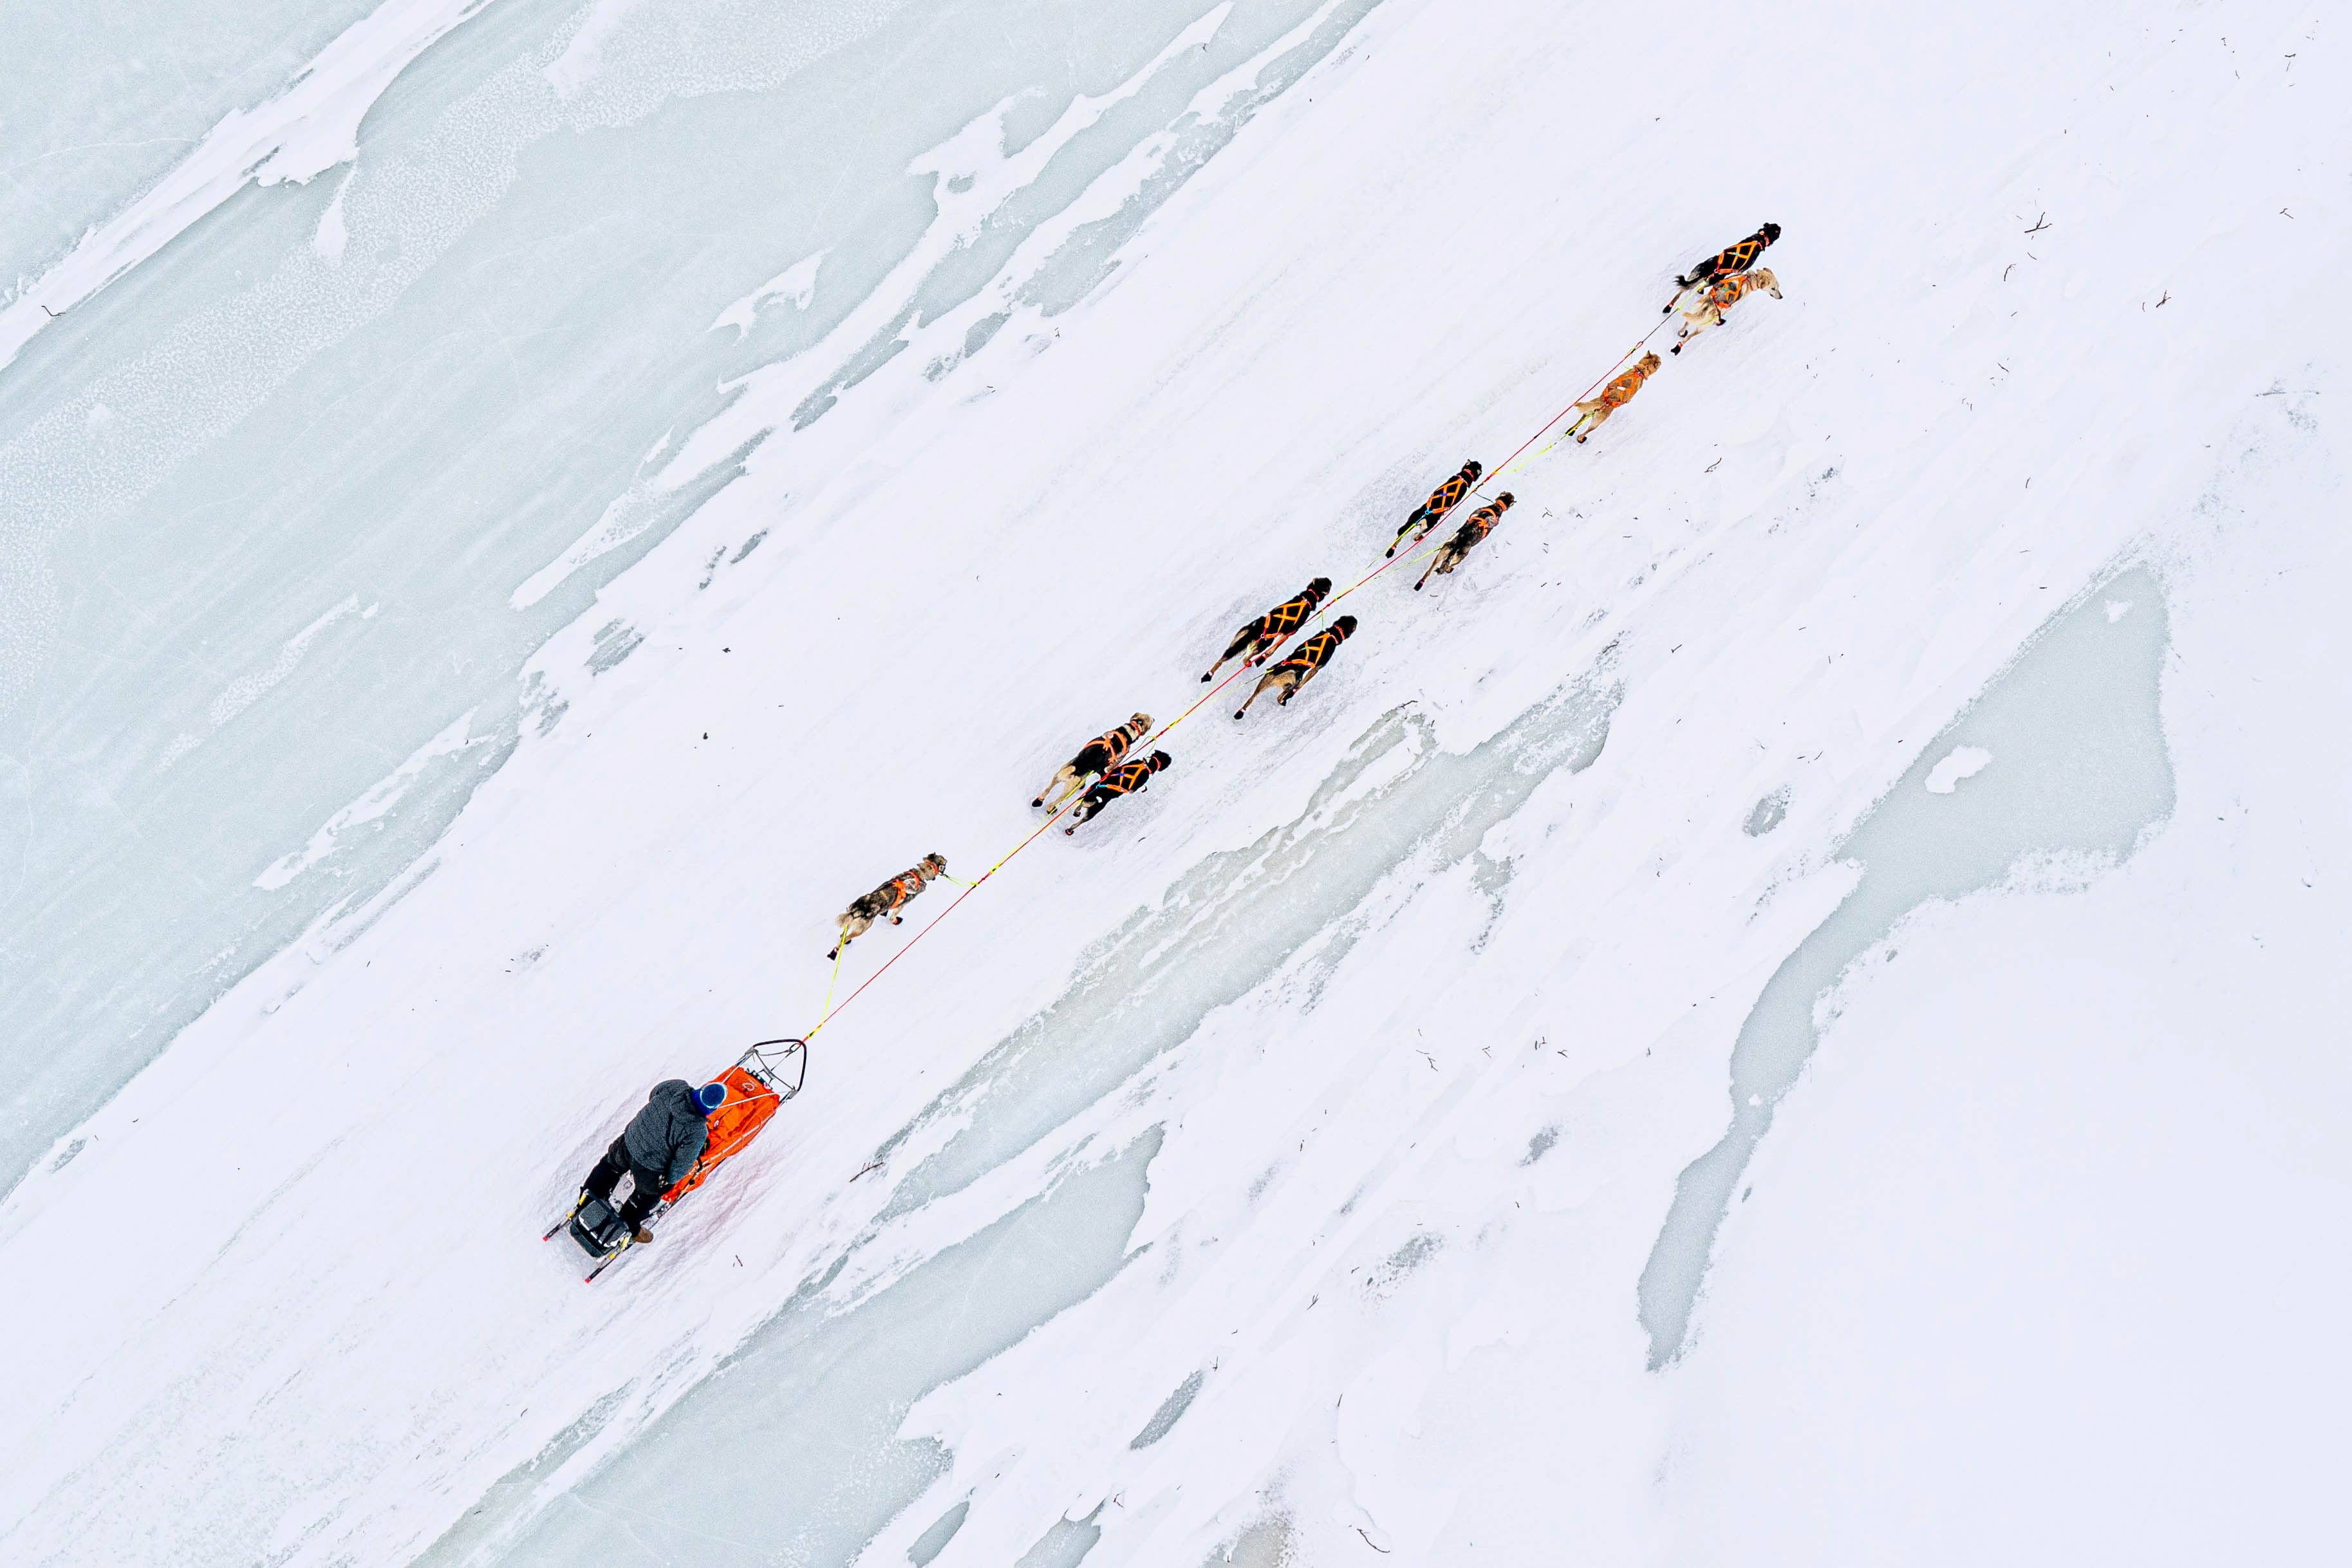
<point>1720,296</point>
<point>1613,396</point>
<point>1095,758</point>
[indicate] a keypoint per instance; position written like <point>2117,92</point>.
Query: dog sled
<point>757,1085</point>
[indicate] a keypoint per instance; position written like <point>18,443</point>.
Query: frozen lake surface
<point>513,511</point>
<point>270,496</point>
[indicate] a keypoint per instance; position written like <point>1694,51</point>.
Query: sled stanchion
<point>771,1071</point>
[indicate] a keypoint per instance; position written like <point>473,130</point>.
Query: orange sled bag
<point>769,1074</point>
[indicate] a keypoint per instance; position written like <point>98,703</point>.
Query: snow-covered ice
<point>1790,1011</point>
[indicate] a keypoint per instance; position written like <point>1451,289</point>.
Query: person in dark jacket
<point>1127,778</point>
<point>1731,259</point>
<point>658,1150</point>
<point>1442,500</point>
<point>1300,668</point>
<point>1272,630</point>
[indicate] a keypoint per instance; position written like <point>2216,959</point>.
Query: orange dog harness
<point>1620,391</point>
<point>1728,292</point>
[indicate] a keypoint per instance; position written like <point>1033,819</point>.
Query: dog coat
<point>1478,525</point>
<point>902,886</point>
<point>1103,753</point>
<point>1726,293</point>
<point>1620,391</point>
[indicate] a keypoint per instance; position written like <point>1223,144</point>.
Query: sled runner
<point>762,1080</point>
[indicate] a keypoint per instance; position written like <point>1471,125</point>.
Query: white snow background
<point>1789,1012</point>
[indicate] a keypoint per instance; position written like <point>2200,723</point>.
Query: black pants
<point>607,1176</point>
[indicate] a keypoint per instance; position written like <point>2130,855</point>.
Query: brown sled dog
<point>887,899</point>
<point>1720,296</point>
<point>1475,526</point>
<point>1613,396</point>
<point>1272,630</point>
<point>1098,755</point>
<point>1300,668</point>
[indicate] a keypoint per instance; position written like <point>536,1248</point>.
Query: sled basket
<point>783,1068</point>
<point>762,1080</point>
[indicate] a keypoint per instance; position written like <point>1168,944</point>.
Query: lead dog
<point>1720,296</point>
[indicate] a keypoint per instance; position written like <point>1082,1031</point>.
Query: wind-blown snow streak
<point>369,806</point>
<point>973,180</point>
<point>795,285</point>
<point>309,128</point>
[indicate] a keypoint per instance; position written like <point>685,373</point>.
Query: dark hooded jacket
<point>667,1136</point>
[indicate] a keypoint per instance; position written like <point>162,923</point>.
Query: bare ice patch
<point>2075,718</point>
<point>1767,813</point>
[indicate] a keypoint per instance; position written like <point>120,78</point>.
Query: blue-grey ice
<point>2083,774</point>
<point>268,499</point>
